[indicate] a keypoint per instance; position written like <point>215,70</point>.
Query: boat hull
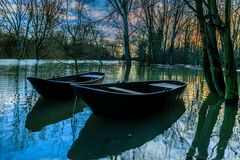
<point>112,104</point>
<point>60,89</point>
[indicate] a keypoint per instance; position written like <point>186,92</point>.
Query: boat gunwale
<point>90,87</point>
<point>55,80</point>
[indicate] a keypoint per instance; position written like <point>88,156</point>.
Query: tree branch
<point>190,6</point>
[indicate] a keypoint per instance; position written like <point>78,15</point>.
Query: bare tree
<point>123,8</point>
<point>45,15</point>
<point>177,18</point>
<point>210,22</point>
<point>236,25</point>
<point>161,18</point>
<point>75,27</point>
<point>16,22</point>
<point>148,17</point>
<point>97,39</point>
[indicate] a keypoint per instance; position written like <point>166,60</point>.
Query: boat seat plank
<point>91,75</point>
<point>166,85</point>
<point>125,90</point>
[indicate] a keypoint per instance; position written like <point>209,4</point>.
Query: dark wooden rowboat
<point>130,99</point>
<point>59,88</point>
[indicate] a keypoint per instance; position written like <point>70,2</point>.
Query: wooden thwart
<point>166,85</point>
<point>125,90</point>
<point>91,76</point>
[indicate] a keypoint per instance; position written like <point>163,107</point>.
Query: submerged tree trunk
<point>76,66</point>
<point>37,51</point>
<point>206,61</point>
<point>224,28</point>
<point>211,59</point>
<point>126,42</point>
<point>212,63</point>
<point>207,72</point>
<point>214,59</point>
<point>231,95</point>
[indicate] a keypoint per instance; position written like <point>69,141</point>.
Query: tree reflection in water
<point>226,130</point>
<point>207,119</point>
<point>56,129</point>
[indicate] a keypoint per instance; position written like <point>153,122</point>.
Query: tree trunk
<point>171,49</point>
<point>173,37</point>
<point>207,72</point>
<point>126,41</point>
<point>214,59</point>
<point>158,45</point>
<point>76,66</point>
<point>142,52</point>
<point>231,95</point>
<point>36,52</point>
<point>229,87</point>
<point>211,61</point>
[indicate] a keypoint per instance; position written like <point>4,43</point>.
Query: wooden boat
<point>130,99</point>
<point>59,88</point>
<point>101,137</point>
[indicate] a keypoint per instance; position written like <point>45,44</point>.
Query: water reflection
<point>46,112</point>
<point>226,129</point>
<point>207,118</point>
<point>55,129</point>
<point>103,137</point>
<point>127,73</point>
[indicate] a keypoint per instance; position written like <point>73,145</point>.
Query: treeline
<point>150,31</point>
<point>51,48</point>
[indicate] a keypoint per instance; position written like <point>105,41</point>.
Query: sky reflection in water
<point>35,128</point>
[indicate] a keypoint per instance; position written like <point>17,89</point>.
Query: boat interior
<point>81,78</point>
<point>139,88</point>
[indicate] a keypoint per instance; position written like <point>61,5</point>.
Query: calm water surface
<point>34,128</point>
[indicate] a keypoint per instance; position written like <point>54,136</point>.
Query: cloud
<point>97,14</point>
<point>69,17</point>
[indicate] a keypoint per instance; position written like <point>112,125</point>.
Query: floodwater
<point>200,127</point>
